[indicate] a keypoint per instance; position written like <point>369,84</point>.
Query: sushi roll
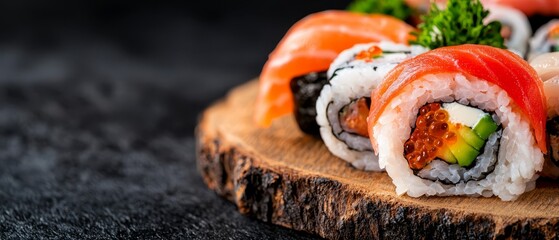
<point>545,40</point>
<point>343,105</point>
<point>516,27</point>
<point>547,66</point>
<point>461,120</point>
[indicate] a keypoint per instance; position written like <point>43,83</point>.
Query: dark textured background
<point>98,103</point>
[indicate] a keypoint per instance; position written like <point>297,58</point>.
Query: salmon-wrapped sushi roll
<point>343,105</point>
<point>462,120</point>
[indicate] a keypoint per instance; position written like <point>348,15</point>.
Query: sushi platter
<point>282,176</point>
<point>369,125</point>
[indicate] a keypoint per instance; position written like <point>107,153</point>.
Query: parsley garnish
<point>460,23</point>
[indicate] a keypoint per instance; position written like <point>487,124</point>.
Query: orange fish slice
<point>311,45</point>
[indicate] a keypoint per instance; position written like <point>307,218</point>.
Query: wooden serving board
<point>282,176</point>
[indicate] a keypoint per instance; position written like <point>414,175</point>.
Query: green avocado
<point>445,154</point>
<point>485,127</point>
<point>471,138</point>
<point>464,153</point>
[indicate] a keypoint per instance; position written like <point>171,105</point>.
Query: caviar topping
<point>370,54</point>
<point>430,134</point>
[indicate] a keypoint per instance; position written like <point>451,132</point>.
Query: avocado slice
<point>464,153</point>
<point>445,154</point>
<point>485,127</point>
<point>470,137</point>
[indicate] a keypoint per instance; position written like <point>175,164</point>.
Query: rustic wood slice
<point>282,176</point>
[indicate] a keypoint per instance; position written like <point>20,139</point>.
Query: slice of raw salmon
<point>310,46</point>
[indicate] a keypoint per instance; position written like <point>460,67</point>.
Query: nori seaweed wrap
<point>306,90</point>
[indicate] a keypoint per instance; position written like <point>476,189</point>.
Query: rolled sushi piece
<point>343,105</point>
<point>461,120</point>
<point>547,66</point>
<point>516,28</point>
<point>545,40</point>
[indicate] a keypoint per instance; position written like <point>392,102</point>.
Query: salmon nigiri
<point>500,67</point>
<point>310,46</point>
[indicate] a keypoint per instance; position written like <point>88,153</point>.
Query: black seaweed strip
<point>339,69</point>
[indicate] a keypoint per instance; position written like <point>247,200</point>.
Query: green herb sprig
<point>396,8</point>
<point>460,23</point>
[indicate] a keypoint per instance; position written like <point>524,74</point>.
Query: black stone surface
<point>98,104</point>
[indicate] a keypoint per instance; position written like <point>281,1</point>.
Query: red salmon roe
<point>369,54</point>
<point>432,131</point>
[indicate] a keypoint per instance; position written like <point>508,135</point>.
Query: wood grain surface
<point>282,176</point>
